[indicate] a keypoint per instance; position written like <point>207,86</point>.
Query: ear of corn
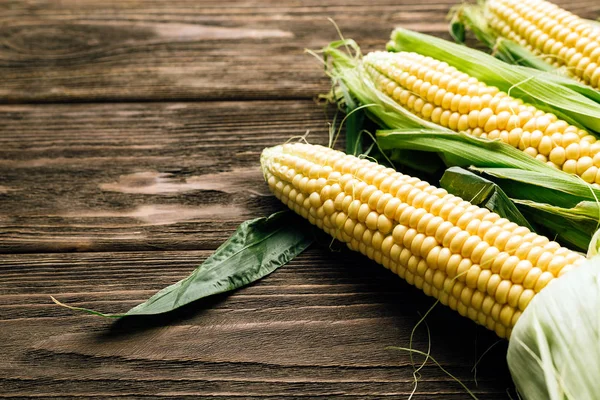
<point>437,92</point>
<point>472,260</point>
<point>556,35</point>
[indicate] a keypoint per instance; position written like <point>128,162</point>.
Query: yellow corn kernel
<point>467,257</point>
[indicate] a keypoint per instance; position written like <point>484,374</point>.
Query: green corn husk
<point>562,190</point>
<point>520,176</point>
<point>482,192</point>
<point>496,159</point>
<point>553,353</point>
<point>572,225</point>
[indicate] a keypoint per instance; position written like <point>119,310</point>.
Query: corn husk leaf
<point>354,123</point>
<point>482,192</point>
<point>558,189</point>
<point>519,55</point>
<point>553,350</point>
<point>429,163</point>
<point>496,159</point>
<point>569,100</point>
<point>457,27</point>
<point>574,225</point>
<point>460,149</point>
<point>257,248</point>
<point>594,247</point>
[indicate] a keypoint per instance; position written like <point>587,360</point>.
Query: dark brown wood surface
<point>130,133</point>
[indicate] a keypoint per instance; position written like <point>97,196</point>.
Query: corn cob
<point>440,93</point>
<point>482,265</point>
<point>558,36</point>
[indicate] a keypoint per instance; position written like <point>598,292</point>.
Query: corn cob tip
<point>266,156</point>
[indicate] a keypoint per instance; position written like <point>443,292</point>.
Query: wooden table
<point>130,133</point>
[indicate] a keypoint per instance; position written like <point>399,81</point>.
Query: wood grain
<point>318,327</point>
<point>188,50</point>
<point>105,177</point>
<point>184,50</point>
<point>145,159</point>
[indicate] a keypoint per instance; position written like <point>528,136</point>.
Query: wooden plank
<point>99,50</point>
<point>98,177</point>
<point>316,328</point>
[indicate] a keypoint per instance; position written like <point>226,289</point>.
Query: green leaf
<point>519,55</point>
<point>574,225</point>
<point>460,149</point>
<point>494,158</point>
<point>422,161</point>
<point>354,123</point>
<point>257,248</point>
<point>593,248</point>
<point>529,178</point>
<point>558,189</point>
<point>457,29</point>
<point>482,192</point>
<point>471,17</point>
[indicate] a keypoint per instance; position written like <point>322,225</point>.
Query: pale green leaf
<point>553,350</point>
<point>463,150</point>
<point>558,188</point>
<point>574,225</point>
